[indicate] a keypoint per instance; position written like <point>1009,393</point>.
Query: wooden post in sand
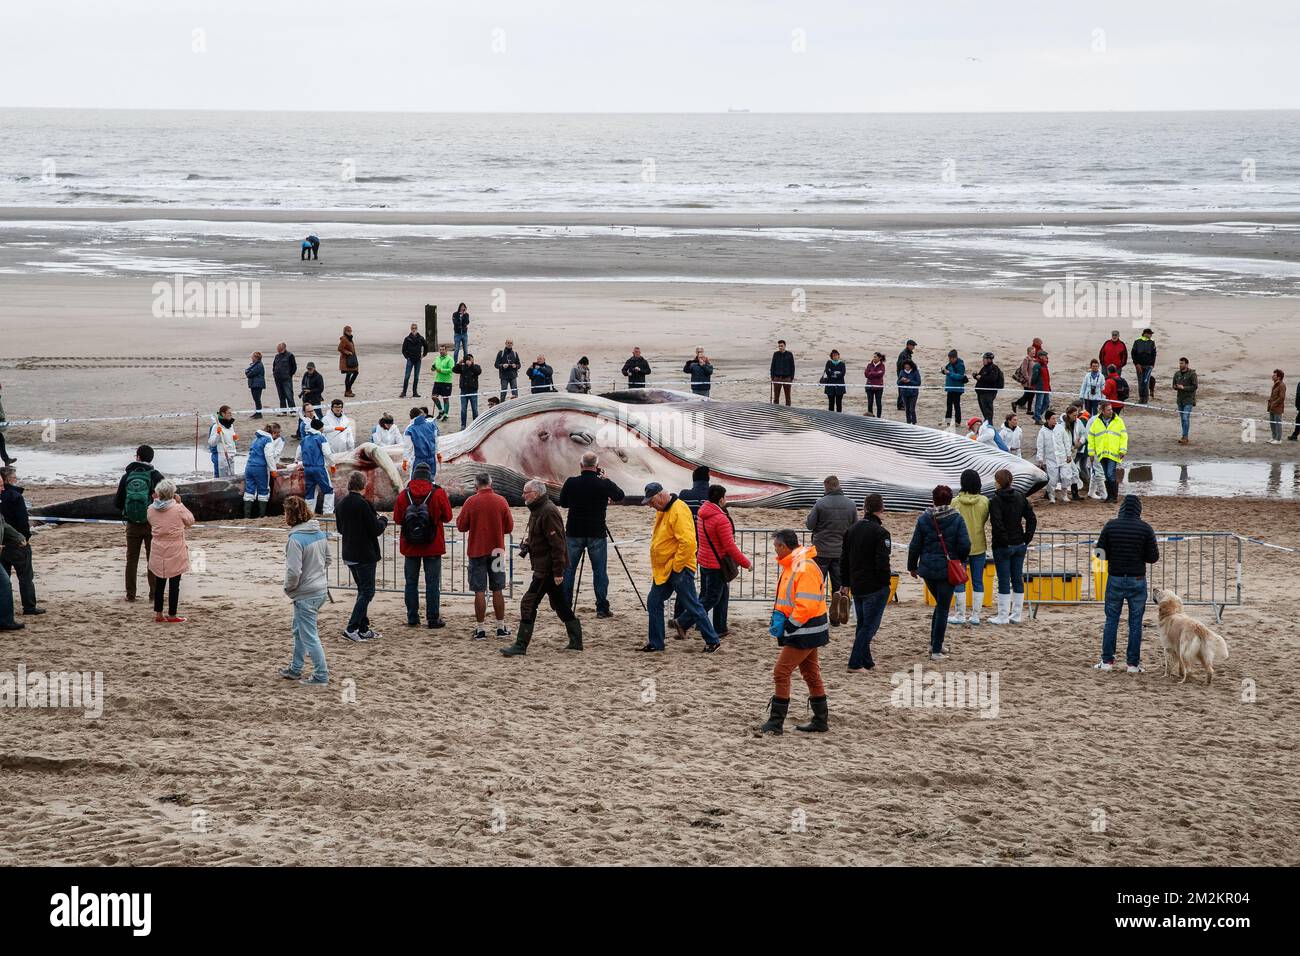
<point>431,326</point>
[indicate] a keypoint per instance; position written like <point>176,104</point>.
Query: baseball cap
<point>652,489</point>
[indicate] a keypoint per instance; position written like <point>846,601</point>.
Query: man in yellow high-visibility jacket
<point>800,624</point>
<point>1107,446</point>
<point>672,561</point>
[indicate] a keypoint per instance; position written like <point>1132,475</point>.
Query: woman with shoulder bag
<point>720,558</point>
<point>938,552</point>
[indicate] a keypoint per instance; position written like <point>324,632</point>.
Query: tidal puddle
<point>1215,479</point>
<point>42,465</point>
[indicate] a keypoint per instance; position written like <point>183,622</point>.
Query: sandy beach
<point>607,757</point>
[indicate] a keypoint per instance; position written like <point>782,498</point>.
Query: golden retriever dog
<point>1185,639</point>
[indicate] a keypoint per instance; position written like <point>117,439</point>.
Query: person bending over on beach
<point>544,546</point>
<point>801,625</point>
<point>221,443</point>
<point>306,583</point>
<point>170,557</point>
<point>263,460</point>
<point>310,248</point>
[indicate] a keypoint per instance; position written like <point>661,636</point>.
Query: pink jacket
<point>168,555</point>
<point>713,522</point>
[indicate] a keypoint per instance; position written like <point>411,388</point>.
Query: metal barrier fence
<point>390,575</point>
<point>1203,567</point>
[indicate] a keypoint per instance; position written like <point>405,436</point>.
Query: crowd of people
<point>694,554</point>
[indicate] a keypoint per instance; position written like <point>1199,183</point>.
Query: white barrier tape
<point>496,392</point>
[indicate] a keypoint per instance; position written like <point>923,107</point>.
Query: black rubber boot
<point>248,509</point>
<point>1112,491</point>
<point>261,509</point>
<point>776,708</point>
<point>522,636</point>
<point>574,630</point>
<point>818,724</point>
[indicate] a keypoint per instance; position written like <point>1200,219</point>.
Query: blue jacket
<point>313,455</point>
<point>925,553</point>
<point>256,375</point>
<point>909,382</point>
<point>424,440</point>
<point>257,453</point>
<point>954,376</point>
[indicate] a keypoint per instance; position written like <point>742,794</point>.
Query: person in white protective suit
<point>1055,454</point>
<point>221,443</point>
<point>263,460</point>
<point>385,433</point>
<point>339,429</point>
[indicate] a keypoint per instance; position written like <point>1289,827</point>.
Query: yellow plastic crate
<point>1053,587</point>
<point>1099,576</point>
<point>990,587</point>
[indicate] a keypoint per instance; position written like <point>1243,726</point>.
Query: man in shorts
<point>485,517</point>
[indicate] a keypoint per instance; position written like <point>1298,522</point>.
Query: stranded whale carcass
<point>766,455</point>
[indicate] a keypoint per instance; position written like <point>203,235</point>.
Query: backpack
<point>139,491</point>
<point>417,526</point>
<point>1121,389</point>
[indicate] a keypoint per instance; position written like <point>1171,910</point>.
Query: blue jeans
<point>715,596</point>
<point>412,368</point>
<point>682,584</point>
<point>306,640</point>
<point>471,402</point>
<point>364,575</point>
<point>869,608</point>
<point>976,564</point>
<point>597,550</point>
<point>460,345</point>
<point>1010,565</point>
<point>1108,466</point>
<point>432,588</point>
<point>942,592</point>
<point>1185,413</point>
<point>1042,401</point>
<point>509,385</point>
<point>1118,590</point>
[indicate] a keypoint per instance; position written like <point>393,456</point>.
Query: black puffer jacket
<point>360,528</point>
<point>1128,541</point>
<point>1012,518</point>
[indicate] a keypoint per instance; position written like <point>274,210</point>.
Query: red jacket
<point>487,518</point>
<point>714,525</point>
<point>439,513</point>
<point>1110,389</point>
<point>1113,353</point>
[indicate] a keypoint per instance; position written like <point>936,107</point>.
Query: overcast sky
<point>628,55</point>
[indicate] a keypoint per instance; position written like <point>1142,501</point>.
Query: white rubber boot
<point>977,598</point>
<point>1004,609</point>
<point>957,613</point>
<point>1017,608</point>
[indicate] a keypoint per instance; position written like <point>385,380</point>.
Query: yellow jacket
<point>672,547</point>
<point>1107,440</point>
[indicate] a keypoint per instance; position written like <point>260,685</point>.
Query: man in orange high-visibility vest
<point>800,624</point>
